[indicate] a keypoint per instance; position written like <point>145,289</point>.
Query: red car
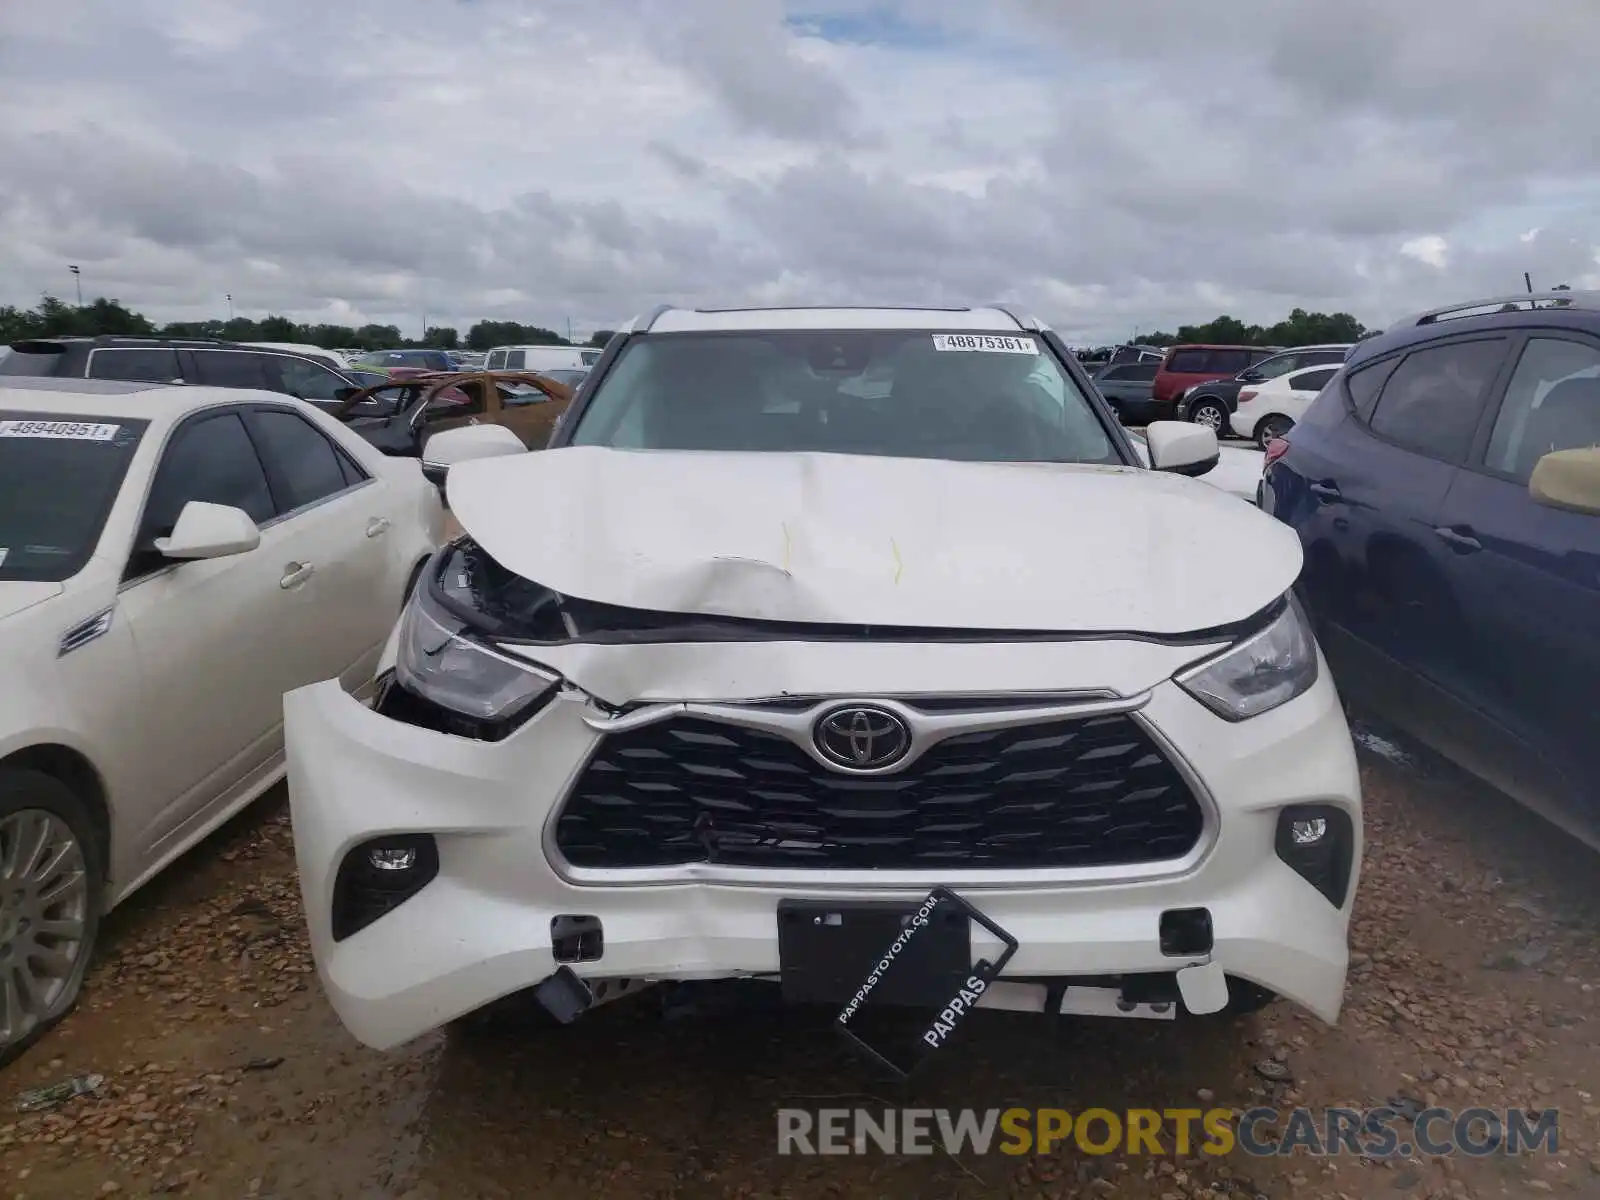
<point>1186,366</point>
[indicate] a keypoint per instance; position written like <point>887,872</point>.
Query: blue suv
<point>1446,490</point>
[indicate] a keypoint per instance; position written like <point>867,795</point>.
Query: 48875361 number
<point>985,343</point>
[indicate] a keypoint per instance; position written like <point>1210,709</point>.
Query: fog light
<point>1308,832</point>
<point>1317,841</point>
<point>378,876</point>
<point>392,858</point>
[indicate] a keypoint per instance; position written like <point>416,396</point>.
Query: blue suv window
<point>1432,401</point>
<point>1552,403</point>
<point>1365,386</point>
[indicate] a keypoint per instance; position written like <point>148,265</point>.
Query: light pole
<point>230,306</point>
<point>77,279</point>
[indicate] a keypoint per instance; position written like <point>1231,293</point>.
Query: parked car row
<point>1213,401</point>
<point>1144,390</point>
<point>580,692</point>
<point>911,628</point>
<point>366,396</point>
<point>1203,383</point>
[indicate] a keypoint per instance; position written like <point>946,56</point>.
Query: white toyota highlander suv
<point>913,698</point>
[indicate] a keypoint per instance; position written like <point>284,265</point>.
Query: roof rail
<point>643,324</point>
<point>1023,322</point>
<point>1529,301</point>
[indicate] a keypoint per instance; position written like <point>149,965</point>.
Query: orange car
<point>398,417</point>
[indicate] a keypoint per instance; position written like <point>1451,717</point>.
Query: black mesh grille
<point>1065,793</point>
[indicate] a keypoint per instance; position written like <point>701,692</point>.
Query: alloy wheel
<point>1271,429</point>
<point>44,919</point>
<point>1208,415</point>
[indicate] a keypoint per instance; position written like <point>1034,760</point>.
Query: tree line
<point>1299,328</point>
<point>56,318</point>
<point>107,317</point>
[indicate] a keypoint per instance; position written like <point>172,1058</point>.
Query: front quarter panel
<point>85,700</point>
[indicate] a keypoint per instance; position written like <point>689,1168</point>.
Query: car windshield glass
<point>902,393</point>
<point>58,478</point>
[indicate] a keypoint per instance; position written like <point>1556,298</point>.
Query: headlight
<point>1260,673</point>
<point>438,662</point>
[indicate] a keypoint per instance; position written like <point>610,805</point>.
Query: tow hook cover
<point>564,995</point>
<point>1204,988</point>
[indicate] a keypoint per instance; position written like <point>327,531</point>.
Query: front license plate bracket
<point>922,966</point>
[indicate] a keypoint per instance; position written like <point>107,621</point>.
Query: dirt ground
<point>226,1075</point>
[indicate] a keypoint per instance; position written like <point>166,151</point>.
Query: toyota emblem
<point>862,738</point>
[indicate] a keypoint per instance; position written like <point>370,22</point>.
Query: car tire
<point>1272,427</point>
<point>1212,413</point>
<point>33,804</point>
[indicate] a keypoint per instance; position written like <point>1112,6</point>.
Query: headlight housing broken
<point>439,661</point>
<point>1264,671</point>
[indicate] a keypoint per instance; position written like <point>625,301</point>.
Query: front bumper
<point>481,929</point>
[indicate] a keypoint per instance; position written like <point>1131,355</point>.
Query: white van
<point>541,358</point>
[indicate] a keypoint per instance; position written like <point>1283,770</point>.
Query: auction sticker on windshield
<point>985,343</point>
<point>79,431</point>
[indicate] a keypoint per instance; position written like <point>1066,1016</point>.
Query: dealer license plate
<point>903,974</point>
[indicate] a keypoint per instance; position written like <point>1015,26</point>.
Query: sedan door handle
<point>377,526</point>
<point>1462,543</point>
<point>295,574</point>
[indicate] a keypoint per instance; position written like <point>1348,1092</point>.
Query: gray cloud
<point>1112,163</point>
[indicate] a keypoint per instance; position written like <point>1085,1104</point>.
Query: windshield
<point>907,394</point>
<point>57,482</point>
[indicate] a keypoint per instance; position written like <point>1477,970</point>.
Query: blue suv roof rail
<point>1520,301</point>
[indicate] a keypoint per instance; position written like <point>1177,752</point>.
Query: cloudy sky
<point>1111,164</point>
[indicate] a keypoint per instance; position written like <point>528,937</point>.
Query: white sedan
<point>1272,409</point>
<point>172,561</point>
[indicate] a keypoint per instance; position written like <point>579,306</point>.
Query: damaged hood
<point>865,540</point>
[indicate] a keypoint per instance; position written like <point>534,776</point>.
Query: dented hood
<point>848,539</point>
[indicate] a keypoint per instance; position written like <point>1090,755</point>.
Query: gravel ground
<point>1476,968</point>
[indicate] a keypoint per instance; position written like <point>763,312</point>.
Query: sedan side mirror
<point>450,447</point>
<point>205,530</point>
<point>1182,448</point>
<point>1568,479</point>
<point>1250,376</point>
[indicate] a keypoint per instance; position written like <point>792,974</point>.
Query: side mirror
<point>1250,376</point>
<point>1568,479</point>
<point>450,447</point>
<point>206,530</point>
<point>1182,448</point>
